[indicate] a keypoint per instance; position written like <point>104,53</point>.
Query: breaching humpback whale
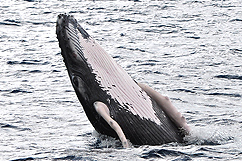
<point>114,103</point>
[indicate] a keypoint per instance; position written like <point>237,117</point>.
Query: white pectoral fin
<point>103,111</point>
<point>165,104</point>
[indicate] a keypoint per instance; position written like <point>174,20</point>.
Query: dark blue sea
<point>188,50</point>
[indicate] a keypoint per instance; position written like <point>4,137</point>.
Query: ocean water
<point>188,50</point>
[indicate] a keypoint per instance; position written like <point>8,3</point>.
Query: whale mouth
<point>67,33</point>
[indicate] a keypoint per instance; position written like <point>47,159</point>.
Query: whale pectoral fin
<point>165,104</point>
<point>103,111</point>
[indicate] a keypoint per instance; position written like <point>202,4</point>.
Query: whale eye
<point>75,81</point>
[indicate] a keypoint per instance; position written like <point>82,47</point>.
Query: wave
<point>204,93</point>
<point>71,157</point>
<point>24,159</point>
<point>209,135</point>
<point>184,90</point>
<point>161,31</point>
<point>237,19</point>
<point>236,51</point>
<point>229,77</point>
<point>15,91</point>
<point>4,125</point>
<point>35,71</point>
<point>19,91</point>
<point>124,20</point>
<point>132,49</point>
<point>103,141</point>
<point>162,153</point>
<point>225,94</point>
<point>10,22</point>
<point>28,62</point>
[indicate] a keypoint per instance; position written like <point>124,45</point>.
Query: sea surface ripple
<point>189,50</point>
